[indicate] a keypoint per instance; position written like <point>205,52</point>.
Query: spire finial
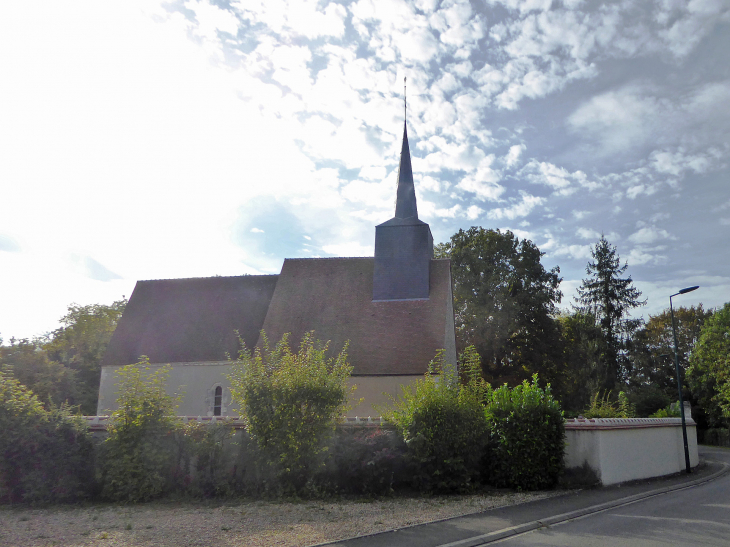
<point>405,104</point>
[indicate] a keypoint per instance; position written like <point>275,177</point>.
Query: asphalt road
<point>699,515</point>
<point>686,510</point>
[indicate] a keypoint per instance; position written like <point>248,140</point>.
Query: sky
<point>155,140</point>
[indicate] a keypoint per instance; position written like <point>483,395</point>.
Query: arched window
<point>218,401</point>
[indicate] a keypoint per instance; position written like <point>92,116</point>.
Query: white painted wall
<point>625,449</point>
<point>196,382</point>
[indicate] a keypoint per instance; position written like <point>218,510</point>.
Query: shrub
<point>45,456</point>
<point>442,423</point>
<point>527,438</point>
<point>291,403</point>
<point>139,454</point>
<point>603,407</point>
<point>669,411</point>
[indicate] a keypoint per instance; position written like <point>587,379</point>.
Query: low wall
<point>625,449</point>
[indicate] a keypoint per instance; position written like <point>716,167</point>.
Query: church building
<point>395,308</point>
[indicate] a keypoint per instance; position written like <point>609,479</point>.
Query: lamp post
<point>679,376</point>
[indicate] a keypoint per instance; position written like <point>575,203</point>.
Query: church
<point>396,310</point>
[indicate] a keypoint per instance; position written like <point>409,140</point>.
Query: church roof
<point>333,297</point>
<point>190,320</point>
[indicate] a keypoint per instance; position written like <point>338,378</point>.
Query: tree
<point>504,301</point>
<point>609,297</point>
<point>584,367</point>
<point>51,381</point>
<point>652,349</point>
<point>709,371</point>
<point>80,345</point>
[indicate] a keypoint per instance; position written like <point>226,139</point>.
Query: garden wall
<point>625,449</point>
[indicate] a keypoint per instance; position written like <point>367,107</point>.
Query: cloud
<point>558,178</point>
<point>649,234</point>
<point>520,209</point>
<point>576,252</point>
<point>585,233</point>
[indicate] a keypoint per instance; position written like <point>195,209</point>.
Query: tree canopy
<point>709,372</point>
<point>504,299</point>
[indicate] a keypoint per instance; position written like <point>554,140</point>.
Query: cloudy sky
<point>146,140</point>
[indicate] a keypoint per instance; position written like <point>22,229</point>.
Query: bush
<point>670,411</point>
<point>45,456</point>
<point>138,457</point>
<point>603,407</point>
<point>442,423</point>
<point>291,403</point>
<point>527,439</point>
<point>366,461</point>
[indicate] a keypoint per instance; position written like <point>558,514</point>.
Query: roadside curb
<point>485,539</point>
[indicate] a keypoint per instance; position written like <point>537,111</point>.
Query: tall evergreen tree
<point>609,297</point>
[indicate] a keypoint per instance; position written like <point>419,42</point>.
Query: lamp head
<point>688,289</point>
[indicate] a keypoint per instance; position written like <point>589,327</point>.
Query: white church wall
<point>194,382</point>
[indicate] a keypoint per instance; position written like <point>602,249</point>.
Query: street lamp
<point>679,376</point>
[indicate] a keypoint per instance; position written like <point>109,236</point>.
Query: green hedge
<point>45,456</point>
<point>527,437</point>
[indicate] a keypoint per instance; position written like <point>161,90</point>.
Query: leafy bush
<point>45,456</point>
<point>367,461</point>
<point>139,454</point>
<point>291,403</point>
<point>443,425</point>
<point>527,439</point>
<point>603,407</point>
<point>670,411</point>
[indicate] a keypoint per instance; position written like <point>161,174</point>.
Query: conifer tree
<point>609,297</point>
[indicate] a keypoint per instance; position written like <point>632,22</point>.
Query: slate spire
<point>405,204</point>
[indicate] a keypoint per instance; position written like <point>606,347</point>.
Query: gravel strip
<point>239,523</point>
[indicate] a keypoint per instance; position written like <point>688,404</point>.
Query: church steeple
<point>405,205</point>
<point>403,244</point>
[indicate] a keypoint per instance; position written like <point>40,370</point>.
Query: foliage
<point>80,345</point>
<point>584,349</point>
<point>367,462</point>
<point>64,367</point>
<point>603,407</point>
<point>442,423</point>
<point>45,455</point>
<point>709,372</point>
<point>652,351</point>
<point>527,436</point>
<point>504,301</point>
<point>139,454</point>
<point>609,297</point>
<point>52,382</point>
<point>291,402</point>
<point>670,411</point>
<point>648,400</point>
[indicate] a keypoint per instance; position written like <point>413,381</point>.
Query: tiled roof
<point>333,297</point>
<point>190,320</point>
